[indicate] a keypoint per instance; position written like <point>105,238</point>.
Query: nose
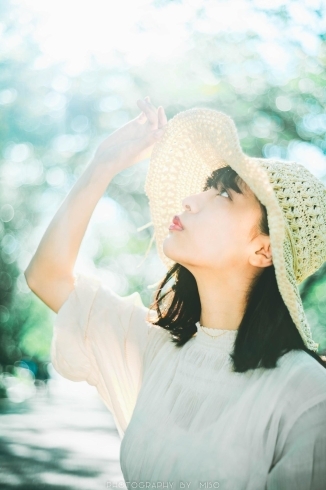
<point>189,203</point>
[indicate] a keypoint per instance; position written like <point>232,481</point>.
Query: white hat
<point>200,140</point>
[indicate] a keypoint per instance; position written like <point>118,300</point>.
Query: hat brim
<point>195,143</point>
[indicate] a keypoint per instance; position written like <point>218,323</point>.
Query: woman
<point>218,384</point>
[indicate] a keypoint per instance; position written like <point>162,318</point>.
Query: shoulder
<point>158,338</point>
<point>301,366</point>
<point>109,307</point>
<point>157,334</point>
<point>302,382</point>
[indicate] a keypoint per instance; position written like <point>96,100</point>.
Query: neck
<point>223,302</point>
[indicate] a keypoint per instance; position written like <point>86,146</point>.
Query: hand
<point>135,140</point>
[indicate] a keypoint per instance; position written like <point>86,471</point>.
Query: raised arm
<point>50,272</point>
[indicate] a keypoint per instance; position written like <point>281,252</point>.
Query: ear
<point>262,254</point>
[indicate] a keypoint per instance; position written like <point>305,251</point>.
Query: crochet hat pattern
<point>198,141</point>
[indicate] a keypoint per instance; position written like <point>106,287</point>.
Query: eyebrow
<point>213,183</point>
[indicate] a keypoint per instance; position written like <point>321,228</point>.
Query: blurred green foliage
<point>51,123</point>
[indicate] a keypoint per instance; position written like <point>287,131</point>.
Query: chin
<point>171,250</point>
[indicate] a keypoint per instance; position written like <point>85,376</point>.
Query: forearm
<point>57,252</point>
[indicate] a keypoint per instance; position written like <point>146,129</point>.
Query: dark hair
<point>266,331</point>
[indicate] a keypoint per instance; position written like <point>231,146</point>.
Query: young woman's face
<point>219,227</point>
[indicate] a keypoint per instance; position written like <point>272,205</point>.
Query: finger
<point>143,106</point>
<point>148,101</point>
<point>149,111</point>
<point>154,121</point>
<point>150,105</point>
<point>162,116</point>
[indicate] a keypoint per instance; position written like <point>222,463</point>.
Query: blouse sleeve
<point>302,464</point>
<point>100,337</point>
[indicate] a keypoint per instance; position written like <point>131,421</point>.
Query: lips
<point>176,223</point>
<point>176,220</point>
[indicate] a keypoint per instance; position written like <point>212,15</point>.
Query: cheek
<point>223,245</point>
<point>218,245</point>
<point>208,243</point>
<point>212,244</point>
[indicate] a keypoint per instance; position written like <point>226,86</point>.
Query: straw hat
<point>198,141</point>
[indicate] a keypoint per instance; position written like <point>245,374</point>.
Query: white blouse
<point>185,419</point>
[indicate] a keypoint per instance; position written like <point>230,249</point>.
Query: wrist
<point>98,169</point>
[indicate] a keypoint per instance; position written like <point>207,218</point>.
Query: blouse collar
<point>223,340</point>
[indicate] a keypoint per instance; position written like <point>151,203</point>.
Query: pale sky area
<point>79,34</point>
<point>132,32</point>
<point>74,31</point>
